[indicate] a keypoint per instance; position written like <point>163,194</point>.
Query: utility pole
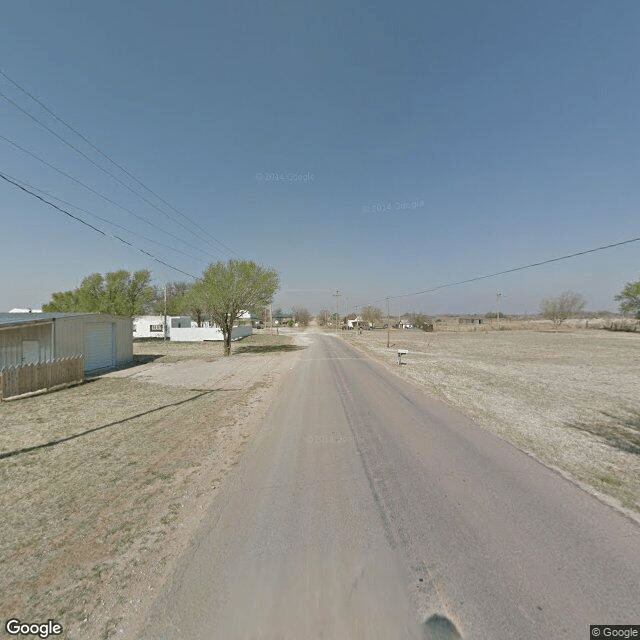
<point>388,324</point>
<point>357,321</point>
<point>164,326</point>
<point>337,297</point>
<point>498,296</point>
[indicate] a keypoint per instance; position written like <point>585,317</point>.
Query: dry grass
<point>156,350</point>
<point>570,398</point>
<point>92,522</point>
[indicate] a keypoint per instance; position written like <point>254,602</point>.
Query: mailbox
<point>401,352</point>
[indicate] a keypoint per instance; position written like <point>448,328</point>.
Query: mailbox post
<point>401,352</point>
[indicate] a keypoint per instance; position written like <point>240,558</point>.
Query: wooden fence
<point>40,376</point>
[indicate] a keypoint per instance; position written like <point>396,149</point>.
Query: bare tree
<point>371,315</point>
<point>323,317</point>
<point>301,316</point>
<point>564,306</point>
<point>227,289</point>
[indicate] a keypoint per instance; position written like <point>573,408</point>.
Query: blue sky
<point>511,127</point>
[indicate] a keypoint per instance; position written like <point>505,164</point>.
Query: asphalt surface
<point>366,509</point>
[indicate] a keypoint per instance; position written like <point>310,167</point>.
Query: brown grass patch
<point>569,397</point>
<point>95,515</point>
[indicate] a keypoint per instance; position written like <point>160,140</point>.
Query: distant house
<point>358,323</point>
<point>104,340</point>
<point>470,320</point>
<point>404,323</point>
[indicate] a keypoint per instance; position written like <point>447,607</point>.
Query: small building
<point>104,340</point>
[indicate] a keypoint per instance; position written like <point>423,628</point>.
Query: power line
<point>104,233</point>
<point>102,196</point>
<point>500,273</point>
<point>95,164</point>
<point>105,220</point>
<point>111,160</point>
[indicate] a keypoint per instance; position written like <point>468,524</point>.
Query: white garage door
<point>99,346</point>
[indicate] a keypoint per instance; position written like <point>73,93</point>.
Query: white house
<point>358,322</point>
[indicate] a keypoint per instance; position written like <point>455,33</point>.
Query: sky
<point>372,148</point>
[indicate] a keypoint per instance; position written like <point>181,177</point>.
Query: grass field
<point>571,398</point>
<point>115,472</point>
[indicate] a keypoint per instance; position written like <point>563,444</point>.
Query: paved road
<point>365,509</point>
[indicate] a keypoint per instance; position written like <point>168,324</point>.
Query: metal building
<point>104,340</point>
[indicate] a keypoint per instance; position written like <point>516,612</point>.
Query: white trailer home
<point>104,340</point>
<point>154,327</point>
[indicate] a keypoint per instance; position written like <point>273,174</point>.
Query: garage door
<point>99,346</point>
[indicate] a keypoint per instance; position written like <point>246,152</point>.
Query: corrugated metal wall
<point>70,335</point>
<point>124,340</point>
<point>11,342</point>
<point>68,338</point>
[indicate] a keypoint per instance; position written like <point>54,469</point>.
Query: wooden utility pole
<point>388,324</point>
<point>498,294</point>
<point>337,297</point>
<point>164,326</point>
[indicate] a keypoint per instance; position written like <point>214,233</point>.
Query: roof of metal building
<point>23,318</point>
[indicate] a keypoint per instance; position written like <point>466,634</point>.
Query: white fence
<point>39,376</point>
<point>199,334</point>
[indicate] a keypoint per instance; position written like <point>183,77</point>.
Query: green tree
<point>62,301</point>
<point>177,302</point>
<point>90,294</point>
<point>565,306</point>
<point>629,299</point>
<point>194,305</point>
<point>227,289</point>
<point>118,292</point>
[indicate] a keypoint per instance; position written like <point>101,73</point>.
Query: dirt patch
<point>121,473</point>
<point>570,398</point>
